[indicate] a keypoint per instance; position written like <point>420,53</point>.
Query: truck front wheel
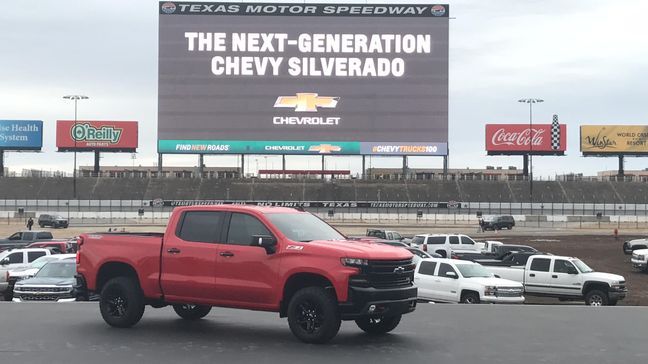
<point>379,325</point>
<point>122,302</point>
<point>596,298</point>
<point>191,312</point>
<point>313,315</point>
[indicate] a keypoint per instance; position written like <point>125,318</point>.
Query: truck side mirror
<point>572,271</point>
<point>4,261</point>
<point>452,275</point>
<point>267,242</point>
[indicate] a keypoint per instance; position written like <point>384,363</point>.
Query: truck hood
<point>603,277</point>
<point>640,251</point>
<point>37,281</point>
<point>361,249</point>
<point>637,241</point>
<point>497,282</point>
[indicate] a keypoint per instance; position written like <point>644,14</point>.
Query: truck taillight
<point>78,252</point>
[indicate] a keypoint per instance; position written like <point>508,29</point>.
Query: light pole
<point>531,102</point>
<point>76,99</point>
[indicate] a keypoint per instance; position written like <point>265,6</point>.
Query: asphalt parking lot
<point>75,333</point>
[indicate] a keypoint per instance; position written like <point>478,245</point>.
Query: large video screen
<point>259,78</point>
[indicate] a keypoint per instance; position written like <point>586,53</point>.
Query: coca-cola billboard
<point>518,139</point>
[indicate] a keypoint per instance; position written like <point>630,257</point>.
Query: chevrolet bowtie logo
<point>307,102</point>
<point>324,148</point>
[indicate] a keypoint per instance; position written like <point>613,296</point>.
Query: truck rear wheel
<point>378,325</point>
<point>122,302</point>
<point>596,298</point>
<point>313,316</point>
<point>191,312</point>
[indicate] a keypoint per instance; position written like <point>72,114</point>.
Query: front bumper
<point>617,293</point>
<point>60,300</point>
<point>369,301</point>
<point>496,299</point>
<point>640,264</point>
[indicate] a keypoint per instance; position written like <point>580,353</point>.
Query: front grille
<point>41,297</point>
<point>387,273</point>
<point>509,292</point>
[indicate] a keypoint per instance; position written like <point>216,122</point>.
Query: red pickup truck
<point>259,258</point>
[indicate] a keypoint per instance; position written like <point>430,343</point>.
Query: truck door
<point>566,279</point>
<point>448,287</point>
<point>189,257</point>
<point>426,281</point>
<point>538,278</point>
<point>246,273</point>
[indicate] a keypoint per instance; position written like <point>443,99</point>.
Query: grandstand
<point>29,188</point>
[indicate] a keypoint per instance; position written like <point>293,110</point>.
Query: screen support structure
<point>621,169</point>
<point>1,162</point>
<point>159,169</point>
<point>283,166</point>
<point>364,170</point>
<point>404,174</point>
<point>201,164</point>
<point>97,156</point>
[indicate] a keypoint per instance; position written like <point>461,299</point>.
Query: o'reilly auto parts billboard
<point>303,78</point>
<point>519,139</point>
<point>614,139</point>
<point>21,134</point>
<point>95,135</point>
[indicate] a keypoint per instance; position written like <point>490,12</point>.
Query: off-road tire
<point>191,312</point>
<point>378,325</point>
<point>122,302</point>
<point>313,315</point>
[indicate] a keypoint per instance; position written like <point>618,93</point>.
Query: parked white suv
<point>461,281</point>
<point>444,244</point>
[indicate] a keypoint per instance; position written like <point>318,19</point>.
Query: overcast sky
<point>587,59</point>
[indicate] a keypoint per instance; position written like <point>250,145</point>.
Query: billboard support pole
<point>363,167</point>
<point>621,171</point>
<point>283,166</point>
<point>159,169</point>
<point>1,162</point>
<point>201,164</point>
<point>96,163</point>
<point>445,167</point>
<point>243,165</point>
<point>323,169</point>
<point>404,167</point>
<point>525,165</point>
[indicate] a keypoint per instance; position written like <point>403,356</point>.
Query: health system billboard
<point>519,139</point>
<point>94,135</point>
<point>614,139</point>
<point>21,134</point>
<point>262,78</point>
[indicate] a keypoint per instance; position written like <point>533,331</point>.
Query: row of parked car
<point>456,268</point>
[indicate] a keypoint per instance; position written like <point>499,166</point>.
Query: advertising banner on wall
<point>94,135</point>
<point>21,134</point>
<point>614,139</point>
<point>289,78</point>
<point>519,139</point>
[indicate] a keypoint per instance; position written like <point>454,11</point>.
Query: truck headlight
<point>354,262</point>
<point>490,291</point>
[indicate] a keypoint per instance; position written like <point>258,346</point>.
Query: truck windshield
<point>582,266</point>
<point>304,227</point>
<point>473,270</point>
<point>57,270</point>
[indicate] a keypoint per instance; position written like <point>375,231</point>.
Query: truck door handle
<point>173,251</point>
<point>226,254</point>
<point>532,275</point>
<point>554,276</point>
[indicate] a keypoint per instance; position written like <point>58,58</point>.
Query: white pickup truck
<point>565,278</point>
<point>640,259</point>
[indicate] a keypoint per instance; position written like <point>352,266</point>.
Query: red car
<point>259,258</point>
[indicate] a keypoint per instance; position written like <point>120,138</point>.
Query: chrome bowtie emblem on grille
<point>399,270</point>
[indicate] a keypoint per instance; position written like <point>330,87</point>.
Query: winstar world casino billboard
<point>93,135</point>
<point>303,78</point>
<point>516,139</point>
